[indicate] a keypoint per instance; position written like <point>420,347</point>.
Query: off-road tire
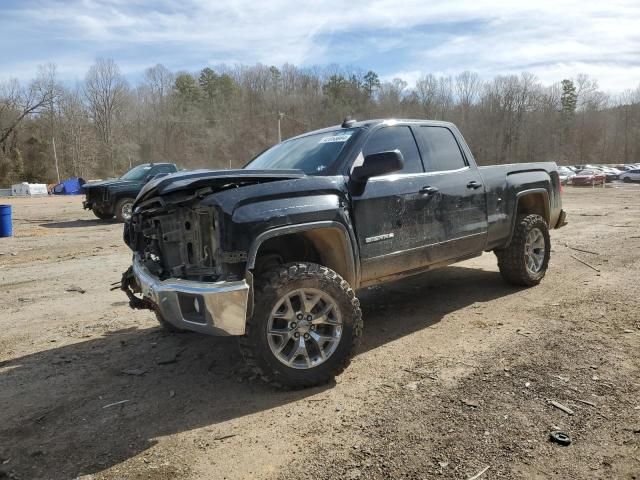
<point>118,210</point>
<point>269,288</point>
<point>101,215</point>
<point>168,327</point>
<point>511,260</point>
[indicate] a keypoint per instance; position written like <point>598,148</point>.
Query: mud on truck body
<point>275,252</point>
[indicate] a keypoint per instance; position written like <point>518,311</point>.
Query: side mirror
<point>378,164</point>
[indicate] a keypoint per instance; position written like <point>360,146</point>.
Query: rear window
<point>441,150</point>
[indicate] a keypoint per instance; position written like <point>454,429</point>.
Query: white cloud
<point>552,39</point>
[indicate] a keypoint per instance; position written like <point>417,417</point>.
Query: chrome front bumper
<point>214,308</point>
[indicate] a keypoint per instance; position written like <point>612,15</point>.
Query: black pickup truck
<point>275,252</point>
<point>115,197</point>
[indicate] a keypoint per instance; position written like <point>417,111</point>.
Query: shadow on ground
<point>54,423</point>
<point>79,223</point>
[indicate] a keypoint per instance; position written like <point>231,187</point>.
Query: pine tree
<point>371,82</point>
<point>569,99</point>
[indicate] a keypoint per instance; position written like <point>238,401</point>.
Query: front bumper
<point>213,308</point>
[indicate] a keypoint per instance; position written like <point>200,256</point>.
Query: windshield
<point>587,172</point>
<point>312,154</point>
<point>136,173</point>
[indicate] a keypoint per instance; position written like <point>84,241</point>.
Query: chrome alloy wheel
<point>534,250</point>
<point>304,328</point>
<point>127,210</point>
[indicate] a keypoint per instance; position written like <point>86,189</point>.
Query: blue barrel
<point>6,227</point>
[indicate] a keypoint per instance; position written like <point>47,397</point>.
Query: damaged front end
<point>178,269</point>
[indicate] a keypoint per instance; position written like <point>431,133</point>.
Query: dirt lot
<point>455,373</point>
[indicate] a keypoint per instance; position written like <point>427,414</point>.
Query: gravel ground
<point>455,375</point>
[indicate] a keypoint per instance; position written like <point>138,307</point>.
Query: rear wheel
<point>525,260</point>
<point>305,326</point>
<point>123,209</point>
<point>102,215</point>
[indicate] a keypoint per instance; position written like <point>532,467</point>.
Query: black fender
<point>351,270</point>
<point>519,196</point>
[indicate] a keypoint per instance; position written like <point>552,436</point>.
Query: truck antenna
<point>348,122</point>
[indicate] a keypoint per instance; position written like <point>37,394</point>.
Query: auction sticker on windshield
<point>340,138</point>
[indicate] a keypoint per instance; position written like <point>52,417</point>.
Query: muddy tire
<point>524,262</point>
<point>168,327</point>
<point>102,215</point>
<point>305,327</point>
<point>123,209</point>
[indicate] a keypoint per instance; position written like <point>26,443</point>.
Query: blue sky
<point>552,39</point>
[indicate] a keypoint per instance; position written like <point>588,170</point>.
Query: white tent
<point>25,189</point>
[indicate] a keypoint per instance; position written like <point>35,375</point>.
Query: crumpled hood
<point>195,179</point>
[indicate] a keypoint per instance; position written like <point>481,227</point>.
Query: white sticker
<point>335,138</point>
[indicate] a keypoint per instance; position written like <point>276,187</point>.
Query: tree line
<point>222,117</point>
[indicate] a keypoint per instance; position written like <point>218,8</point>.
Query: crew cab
<point>276,252</point>
<point>115,197</point>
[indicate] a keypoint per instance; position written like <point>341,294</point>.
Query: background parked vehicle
<point>589,177</point>
<point>115,197</point>
<point>611,173</point>
<point>631,175</point>
<point>566,174</point>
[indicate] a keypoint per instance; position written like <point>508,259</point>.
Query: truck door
<point>456,222</point>
<point>388,212</point>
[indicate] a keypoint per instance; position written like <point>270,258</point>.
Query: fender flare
<point>523,193</point>
<point>350,245</point>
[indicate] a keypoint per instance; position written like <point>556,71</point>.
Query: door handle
<point>473,184</point>
<point>428,190</point>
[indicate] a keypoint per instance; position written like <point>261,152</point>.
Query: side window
<point>441,151</point>
<point>391,138</point>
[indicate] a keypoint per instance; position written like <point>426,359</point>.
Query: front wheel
<point>305,326</point>
<point>525,260</point>
<point>626,180</point>
<point>123,209</point>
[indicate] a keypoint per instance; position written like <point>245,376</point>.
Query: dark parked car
<point>115,197</point>
<point>275,252</point>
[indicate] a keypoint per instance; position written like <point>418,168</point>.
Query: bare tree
<point>427,90</point>
<point>16,103</point>
<point>468,86</point>
<point>160,81</point>
<point>105,91</point>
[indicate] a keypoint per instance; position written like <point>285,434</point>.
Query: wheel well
<point>534,203</point>
<point>326,246</point>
